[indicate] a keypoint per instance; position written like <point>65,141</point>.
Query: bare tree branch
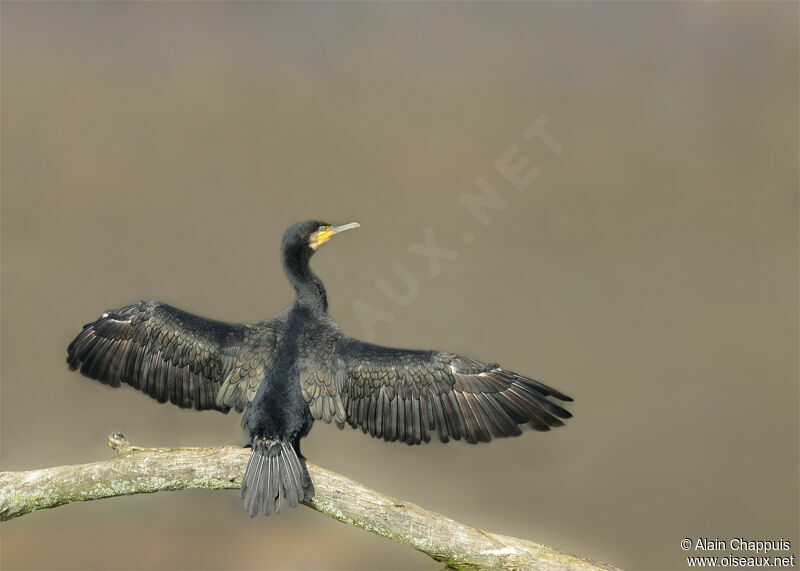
<point>136,470</point>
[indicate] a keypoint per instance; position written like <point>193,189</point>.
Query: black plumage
<point>298,367</point>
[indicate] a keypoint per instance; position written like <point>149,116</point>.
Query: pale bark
<point>136,470</point>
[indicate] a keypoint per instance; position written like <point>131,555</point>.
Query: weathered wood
<point>136,470</point>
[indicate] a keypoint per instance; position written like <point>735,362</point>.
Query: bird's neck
<point>309,288</point>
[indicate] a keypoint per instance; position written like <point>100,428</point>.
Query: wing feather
<point>172,355</point>
<point>407,395</point>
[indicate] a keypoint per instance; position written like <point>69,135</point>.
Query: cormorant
<point>298,367</point>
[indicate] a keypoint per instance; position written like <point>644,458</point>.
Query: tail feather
<point>251,481</point>
<point>275,475</point>
<point>297,478</point>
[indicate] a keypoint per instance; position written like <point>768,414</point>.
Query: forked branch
<point>136,470</point>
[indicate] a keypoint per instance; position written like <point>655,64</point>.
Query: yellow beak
<point>326,232</point>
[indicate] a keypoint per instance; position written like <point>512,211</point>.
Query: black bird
<point>298,367</point>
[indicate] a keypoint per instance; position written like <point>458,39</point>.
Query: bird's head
<point>305,237</point>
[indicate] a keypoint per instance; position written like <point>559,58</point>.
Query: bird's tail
<point>274,475</point>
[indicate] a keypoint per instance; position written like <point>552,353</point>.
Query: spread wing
<point>407,395</point>
<point>176,356</point>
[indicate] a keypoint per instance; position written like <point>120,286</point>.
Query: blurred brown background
<point>159,150</point>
